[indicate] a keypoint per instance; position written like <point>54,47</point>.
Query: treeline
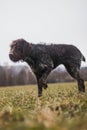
<point>22,75</point>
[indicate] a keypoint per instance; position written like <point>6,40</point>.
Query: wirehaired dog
<point>44,58</point>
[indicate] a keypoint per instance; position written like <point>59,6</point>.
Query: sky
<point>50,21</point>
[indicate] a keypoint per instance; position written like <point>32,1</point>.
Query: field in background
<point>60,108</point>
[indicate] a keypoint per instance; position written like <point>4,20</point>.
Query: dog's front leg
<point>41,81</point>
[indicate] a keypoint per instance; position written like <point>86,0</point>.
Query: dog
<point>44,58</point>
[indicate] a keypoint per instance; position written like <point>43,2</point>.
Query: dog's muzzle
<point>13,58</point>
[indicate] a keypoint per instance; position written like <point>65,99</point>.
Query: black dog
<point>44,58</point>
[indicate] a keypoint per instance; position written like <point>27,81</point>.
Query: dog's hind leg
<point>73,70</point>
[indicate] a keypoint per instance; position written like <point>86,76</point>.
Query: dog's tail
<point>83,58</point>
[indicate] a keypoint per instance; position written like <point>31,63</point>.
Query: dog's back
<point>63,53</point>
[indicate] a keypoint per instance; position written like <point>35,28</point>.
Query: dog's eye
<point>19,48</point>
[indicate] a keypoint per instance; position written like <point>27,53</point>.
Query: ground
<point>60,108</point>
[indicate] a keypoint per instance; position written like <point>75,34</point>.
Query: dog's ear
<point>26,48</point>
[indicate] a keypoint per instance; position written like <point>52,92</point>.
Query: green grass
<point>60,108</point>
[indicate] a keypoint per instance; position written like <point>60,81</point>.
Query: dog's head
<point>18,50</point>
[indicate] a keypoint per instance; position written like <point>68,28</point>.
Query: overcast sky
<point>51,21</point>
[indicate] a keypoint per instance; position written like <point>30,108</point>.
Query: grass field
<point>60,108</point>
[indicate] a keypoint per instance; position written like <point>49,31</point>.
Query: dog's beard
<point>14,58</point>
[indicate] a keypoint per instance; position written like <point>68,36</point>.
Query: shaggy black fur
<point>44,58</point>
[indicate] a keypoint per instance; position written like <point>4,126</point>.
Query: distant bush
<point>21,75</point>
